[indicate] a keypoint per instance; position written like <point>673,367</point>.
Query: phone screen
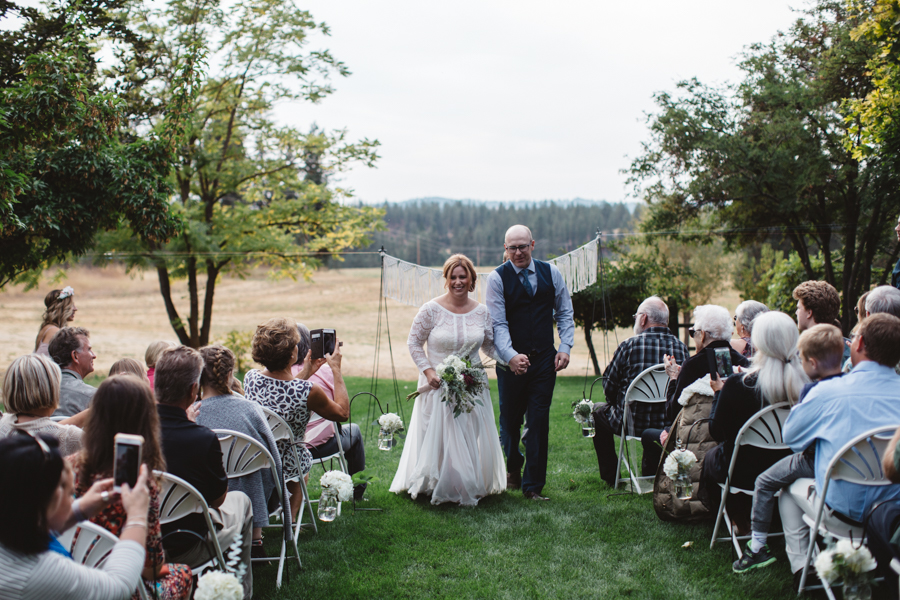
<point>723,362</point>
<point>128,461</point>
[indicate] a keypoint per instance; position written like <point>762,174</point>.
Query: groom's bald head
<point>518,234</point>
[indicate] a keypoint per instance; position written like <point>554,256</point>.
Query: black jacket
<point>693,369</point>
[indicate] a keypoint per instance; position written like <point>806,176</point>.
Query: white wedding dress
<point>454,460</point>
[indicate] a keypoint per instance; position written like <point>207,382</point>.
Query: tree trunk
<point>687,336</point>
<point>212,275</point>
<point>193,294</point>
<point>165,289</point>
<point>673,316</point>
<point>590,345</point>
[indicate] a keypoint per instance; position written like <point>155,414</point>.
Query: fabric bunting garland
<point>415,285</point>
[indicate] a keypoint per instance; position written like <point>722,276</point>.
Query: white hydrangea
<point>390,422</point>
<point>216,585</point>
<point>825,566</point>
<point>583,410</point>
<point>858,560</point>
<point>679,461</point>
<point>337,483</point>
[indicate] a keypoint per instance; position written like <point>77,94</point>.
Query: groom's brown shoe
<point>513,481</point>
<point>534,496</point>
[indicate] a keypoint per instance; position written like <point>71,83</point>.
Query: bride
<point>451,459</point>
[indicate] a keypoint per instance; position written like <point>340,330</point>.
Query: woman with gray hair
<point>775,376</point>
<point>743,325</point>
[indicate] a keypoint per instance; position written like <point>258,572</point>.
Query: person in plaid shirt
<point>652,340</point>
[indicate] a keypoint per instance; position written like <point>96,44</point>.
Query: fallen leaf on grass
<point>688,545</point>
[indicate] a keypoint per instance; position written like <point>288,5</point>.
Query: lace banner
<point>415,285</point>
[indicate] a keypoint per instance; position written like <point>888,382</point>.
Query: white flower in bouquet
<point>216,585</point>
<point>858,560</point>
<point>582,410</point>
<point>679,461</point>
<point>825,566</point>
<point>844,561</point>
<point>390,423</point>
<point>337,483</point>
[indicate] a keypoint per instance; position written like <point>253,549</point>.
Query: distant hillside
<point>427,231</point>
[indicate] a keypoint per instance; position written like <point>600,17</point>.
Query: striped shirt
<point>631,357</point>
<point>48,575</point>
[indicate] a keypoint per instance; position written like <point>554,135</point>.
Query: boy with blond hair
<point>821,348</point>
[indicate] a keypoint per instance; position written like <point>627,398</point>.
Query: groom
<point>523,294</point>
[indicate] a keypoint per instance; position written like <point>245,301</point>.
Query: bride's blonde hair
<point>460,260</point>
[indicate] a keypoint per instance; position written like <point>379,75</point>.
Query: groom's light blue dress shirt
<point>562,311</point>
<point>836,411</point>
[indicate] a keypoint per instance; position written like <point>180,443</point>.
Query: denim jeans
<point>780,475</point>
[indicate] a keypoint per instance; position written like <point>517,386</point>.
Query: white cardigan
<point>48,575</point>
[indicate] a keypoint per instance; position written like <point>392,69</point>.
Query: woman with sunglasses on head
<point>32,563</point>
<point>125,404</point>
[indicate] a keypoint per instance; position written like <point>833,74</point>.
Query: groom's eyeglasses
<point>515,249</point>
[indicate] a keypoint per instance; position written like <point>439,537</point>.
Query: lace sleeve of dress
<point>418,335</point>
<point>487,346</point>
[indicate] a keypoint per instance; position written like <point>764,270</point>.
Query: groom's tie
<point>525,282</point>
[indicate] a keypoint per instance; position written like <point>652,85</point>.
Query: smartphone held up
<point>127,459</point>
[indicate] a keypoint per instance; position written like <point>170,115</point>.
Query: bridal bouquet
<point>462,382</point>
<point>847,562</point>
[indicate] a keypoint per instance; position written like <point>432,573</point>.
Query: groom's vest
<point>530,318</point>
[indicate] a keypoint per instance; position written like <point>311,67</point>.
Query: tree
<point>66,170</point>
<point>249,191</point>
<point>773,155</point>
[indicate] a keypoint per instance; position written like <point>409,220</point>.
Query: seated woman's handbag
<point>691,427</point>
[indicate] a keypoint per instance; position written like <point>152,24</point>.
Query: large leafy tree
<point>66,169</point>
<point>249,190</point>
<point>774,157</point>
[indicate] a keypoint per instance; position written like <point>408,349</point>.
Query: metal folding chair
<point>242,455</point>
<point>282,431</point>
<point>649,387</point>
<point>762,430</point>
<point>859,462</point>
<point>92,546</point>
<point>178,499</point>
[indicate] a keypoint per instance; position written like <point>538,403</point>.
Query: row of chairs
<point>241,455</point>
<point>858,462</point>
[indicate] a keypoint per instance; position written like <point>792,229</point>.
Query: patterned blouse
<point>287,399</point>
<point>175,581</point>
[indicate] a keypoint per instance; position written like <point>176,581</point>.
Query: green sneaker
<point>751,560</point>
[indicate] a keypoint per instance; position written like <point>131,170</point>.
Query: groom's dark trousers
<point>527,395</point>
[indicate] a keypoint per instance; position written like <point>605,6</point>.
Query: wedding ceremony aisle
<point>580,544</point>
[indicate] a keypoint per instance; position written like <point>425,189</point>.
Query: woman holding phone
<point>123,404</point>
<point>775,376</point>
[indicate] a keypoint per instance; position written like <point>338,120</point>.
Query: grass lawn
<point>581,544</point>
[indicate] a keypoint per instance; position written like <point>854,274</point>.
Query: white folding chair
<point>649,387</point>
<point>92,547</point>
<point>762,430</point>
<point>339,455</point>
<point>242,455</point>
<point>282,431</point>
<point>859,462</point>
<point>178,499</point>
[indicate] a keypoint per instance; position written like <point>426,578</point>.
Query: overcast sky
<point>507,100</point>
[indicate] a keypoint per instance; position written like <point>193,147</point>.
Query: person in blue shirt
<point>834,413</point>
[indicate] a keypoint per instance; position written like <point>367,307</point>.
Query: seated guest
<point>883,529</point>
<point>275,346</point>
<point>154,351</point>
<point>71,350</point>
<point>775,376</point>
<point>193,453</point>
<point>820,348</point>
<point>124,404</point>
<point>651,342</point>
<point>831,415</point>
<point>818,303</point>
<point>30,396</point>
<point>743,325</point>
<point>712,329</point>
<point>860,309</point>
<point>883,299</point>
<point>60,312</point>
<point>33,564</point>
<point>223,410</point>
<point>129,366</point>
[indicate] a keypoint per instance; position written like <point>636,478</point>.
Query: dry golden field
<point>124,314</point>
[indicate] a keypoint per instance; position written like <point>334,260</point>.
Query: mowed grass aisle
<point>581,544</point>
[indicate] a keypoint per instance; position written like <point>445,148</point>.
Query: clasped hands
<point>519,363</point>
